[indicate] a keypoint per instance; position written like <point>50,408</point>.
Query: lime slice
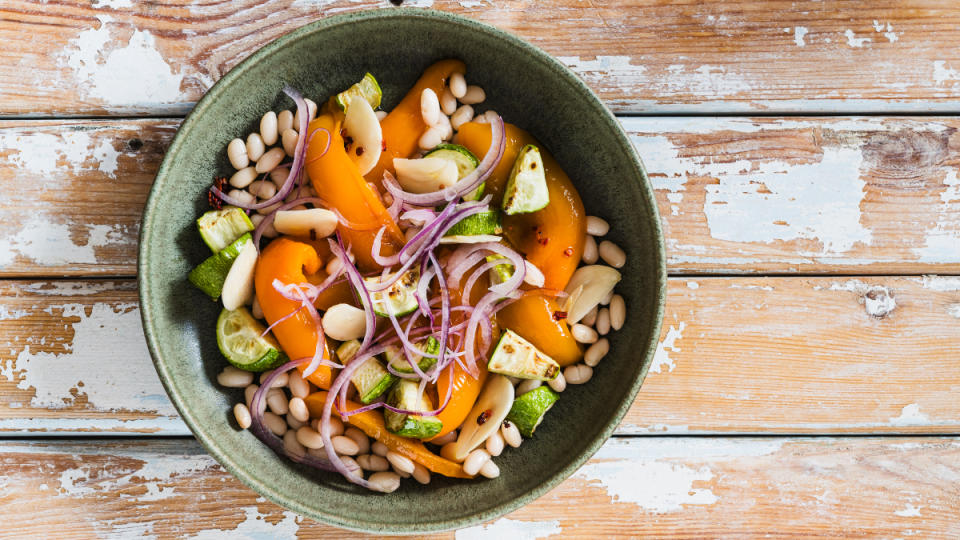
<point>371,379</point>
<point>209,275</point>
<point>368,88</point>
<point>517,357</point>
<point>404,395</point>
<point>466,163</point>
<point>527,187</point>
<point>486,223</point>
<point>400,299</point>
<point>219,228</point>
<point>529,409</point>
<point>500,272</point>
<point>240,342</point>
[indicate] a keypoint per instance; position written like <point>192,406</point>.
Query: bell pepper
<point>290,262</point>
<point>404,125</point>
<point>465,391</point>
<point>371,423</point>
<point>337,180</point>
<point>537,318</point>
<point>552,238</point>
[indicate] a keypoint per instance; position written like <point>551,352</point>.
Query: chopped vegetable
<point>220,228</point>
<point>527,187</point>
<point>372,379</point>
<point>209,275</point>
<point>241,341</point>
<point>466,163</point>
<point>517,357</point>
<point>405,395</point>
<point>368,88</point>
<point>484,223</point>
<point>529,409</point>
<point>400,299</point>
<point>395,356</point>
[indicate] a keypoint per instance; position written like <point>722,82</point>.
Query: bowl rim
<point>220,452</point>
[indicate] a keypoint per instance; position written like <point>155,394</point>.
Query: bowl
<point>528,88</point>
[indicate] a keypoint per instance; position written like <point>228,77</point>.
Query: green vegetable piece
<point>517,357</point>
<point>529,409</point>
<point>371,379</point>
<point>368,88</point>
<point>404,395</point>
<point>395,357</point>
<point>400,299</point>
<point>466,163</point>
<point>485,223</point>
<point>220,228</point>
<point>500,272</point>
<point>527,187</point>
<point>240,342</point>
<point>209,275</point>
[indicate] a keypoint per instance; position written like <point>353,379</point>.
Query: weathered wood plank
<point>676,56</point>
<point>634,487</point>
<point>737,355</point>
<point>751,195</point>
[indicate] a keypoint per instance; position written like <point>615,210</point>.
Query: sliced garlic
<point>321,221</point>
<point>238,286</point>
<point>363,126</point>
<point>426,174</point>
<point>587,287</point>
<point>487,414</point>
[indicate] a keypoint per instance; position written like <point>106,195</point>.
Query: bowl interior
<point>527,88</point>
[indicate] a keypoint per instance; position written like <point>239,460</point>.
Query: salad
<point>415,288</point>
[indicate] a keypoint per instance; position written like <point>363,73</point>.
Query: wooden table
<point>805,161</point>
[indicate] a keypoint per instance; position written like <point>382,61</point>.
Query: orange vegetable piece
<point>533,318</point>
<point>290,262</point>
<point>337,180</point>
<point>404,125</point>
<point>371,423</point>
<point>552,238</point>
<point>466,389</point>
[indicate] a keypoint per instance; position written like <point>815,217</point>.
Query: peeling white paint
<point>889,33</point>
<point>707,80</point>
<point>255,527</point>
<point>942,240</point>
<point>41,154</point>
<point>910,415</point>
<point>113,4</point>
<point>878,301</point>
<point>693,285</point>
<point>83,426</point>
<point>512,529</point>
<point>8,314</point>
<point>943,73</point>
<point>154,471</point>
<point>854,41</point>
<point>954,311</point>
<point>71,288</point>
<point>47,242</point>
<point>662,358</point>
<point>909,511</point>
<point>940,283</point>
<point>798,33</point>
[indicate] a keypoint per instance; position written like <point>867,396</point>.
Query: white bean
<point>490,470</point>
<point>344,445</point>
<point>596,352</point>
<point>270,160</point>
<point>590,253</point>
<point>359,437</point>
<point>290,138</point>
<point>333,266</point>
<point>243,177</point>
<point>590,317</point>
<point>449,437</point>
<point>376,463</point>
<point>232,377</point>
<point>448,102</point>
<point>578,373</point>
<point>248,393</point>
<point>336,426</point>
<point>269,230</point>
<point>344,322</point>
<point>267,210</point>
<point>494,444</point>
<point>284,122</point>
<point>583,333</point>
<point>311,110</point>
<point>430,107</point>
<point>293,423</point>
<point>292,445</point>
<point>401,463</point>
<point>277,401</point>
<point>299,387</point>
<point>612,254</point>
<point>255,146</point>
<point>527,385</point>
<point>475,461</point>
<point>511,435</point>
<point>379,449</point>
<point>597,226</point>
<point>603,322</point>
<point>618,312</point>
<point>363,461</point>
<point>242,414</point>
<point>263,189</point>
<point>268,128</point>
<point>280,381</point>
<point>421,474</point>
<point>461,116</point>
<point>275,423</point>
<point>386,482</point>
<point>605,301</point>
<point>558,383</point>
<point>310,438</point>
<point>298,408</point>
<point>242,196</point>
<point>430,139</point>
<point>491,116</point>
<point>352,465</point>
<point>237,154</point>
<point>381,115</point>
<point>446,130</point>
<point>458,85</point>
<point>255,309</point>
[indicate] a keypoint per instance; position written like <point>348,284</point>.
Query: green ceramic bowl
<point>527,87</point>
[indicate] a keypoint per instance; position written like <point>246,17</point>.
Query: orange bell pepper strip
<point>552,238</point>
<point>533,318</point>
<point>404,125</point>
<point>337,180</point>
<point>289,261</point>
<point>465,391</point>
<point>371,423</point>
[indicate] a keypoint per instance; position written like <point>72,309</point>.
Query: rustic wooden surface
<point>806,381</point>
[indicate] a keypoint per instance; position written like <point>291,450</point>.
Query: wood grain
<point>67,58</point>
<point>634,487</point>
<point>745,195</point>
<point>737,355</point>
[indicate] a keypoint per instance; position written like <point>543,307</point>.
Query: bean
<point>352,465</point>
<point>292,445</point>
<point>591,317</point>
<point>514,380</point>
<point>559,383</point>
<point>612,254</point>
<point>255,309</point>
<point>475,461</point>
<point>277,401</point>
<point>275,424</point>
<point>336,426</point>
<point>242,196</point>
<point>293,423</point>
<point>603,322</point>
<point>255,146</point>
<point>490,470</point>
<point>284,122</point>
<point>364,461</point>
<point>269,210</point>
<point>474,95</point>
<point>381,115</point>
<point>319,453</point>
<point>374,462</point>
<point>248,393</point>
<point>237,154</point>
<point>491,116</point>
<point>583,333</point>
<point>290,138</point>
<point>401,463</point>
<point>242,414</point>
<point>448,102</point>
<point>429,107</point>
<point>299,387</point>
<point>344,445</point>
<point>605,301</point>
<point>421,474</point>
<point>430,139</point>
<point>333,266</point>
<point>597,226</point>
<point>527,385</point>
<point>386,482</point>
<point>481,119</point>
<point>344,322</point>
<point>309,437</point>
<point>269,230</point>
<point>461,116</point>
<point>243,177</point>
<point>263,189</point>
<point>458,85</point>
<point>311,110</point>
<point>494,444</point>
<point>359,437</point>
<point>618,312</point>
<point>379,449</point>
<point>578,373</point>
<point>511,435</point>
<point>590,254</point>
<point>446,130</point>
<point>280,381</point>
<point>298,408</point>
<point>268,128</point>
<point>449,437</point>
<point>596,352</point>
<point>270,160</point>
<point>232,377</point>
